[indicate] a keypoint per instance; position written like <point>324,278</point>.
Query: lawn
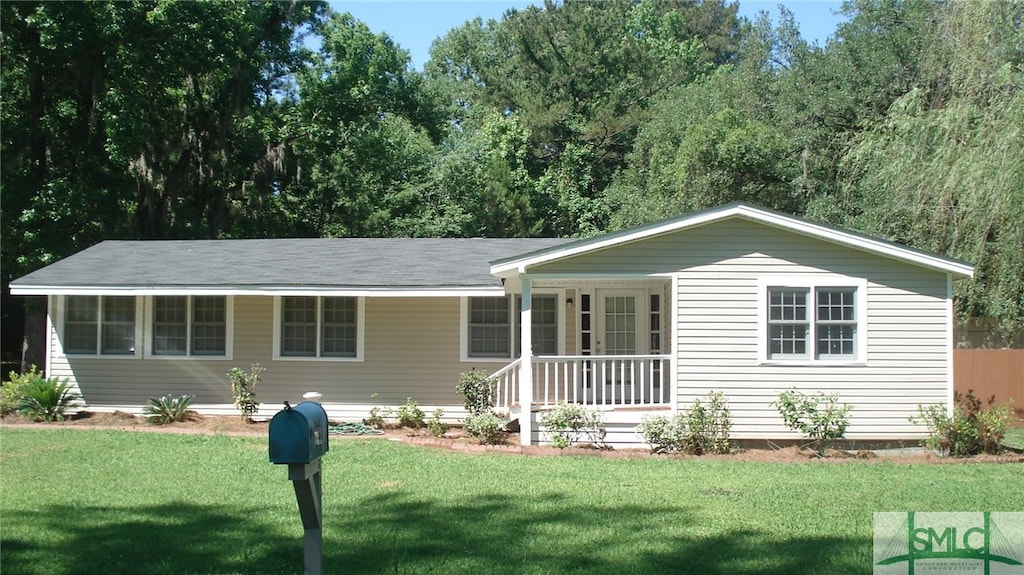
<point>1014,438</point>
<point>90,501</point>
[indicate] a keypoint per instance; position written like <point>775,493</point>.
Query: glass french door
<point>621,324</point>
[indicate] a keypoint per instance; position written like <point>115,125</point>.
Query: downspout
<point>526,362</point>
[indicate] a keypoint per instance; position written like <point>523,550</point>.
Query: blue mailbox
<point>298,433</point>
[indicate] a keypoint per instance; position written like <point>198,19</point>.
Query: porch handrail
<point>506,387</point>
<point>593,380</point>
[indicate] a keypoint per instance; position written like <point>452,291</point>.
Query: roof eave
<point>349,291</point>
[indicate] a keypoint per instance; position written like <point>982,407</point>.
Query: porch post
<point>526,363</point>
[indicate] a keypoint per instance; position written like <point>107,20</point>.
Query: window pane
<point>118,325</point>
<point>545,325</point>
<point>787,305</point>
<point>209,325</point>
<point>170,329</point>
<point>339,327</point>
<point>489,327</point>
<point>836,340</point>
<point>80,324</point>
<point>787,340</point>
<point>836,305</point>
<point>298,326</point>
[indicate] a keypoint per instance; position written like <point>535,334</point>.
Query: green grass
<point>88,501</point>
<point>1014,438</point>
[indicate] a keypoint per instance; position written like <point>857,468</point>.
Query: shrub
<point>567,423</point>
<point>702,429</point>
<point>243,387</point>
<point>819,417</point>
<point>971,429</point>
<point>478,391</point>
<point>377,415</point>
<point>664,434</point>
<point>47,399</point>
<point>487,427</point>
<point>709,425</point>
<point>12,390</point>
<point>410,414</point>
<point>169,408</point>
<point>437,427</point>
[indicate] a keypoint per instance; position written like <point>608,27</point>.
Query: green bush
<point>437,427</point>
<point>709,425</point>
<point>410,414</point>
<point>478,391</point>
<point>169,409</point>
<point>820,417</point>
<point>567,423</point>
<point>487,427</point>
<point>47,399</point>
<point>12,390</point>
<point>699,430</point>
<point>664,434</point>
<point>971,429</point>
<point>243,388</point>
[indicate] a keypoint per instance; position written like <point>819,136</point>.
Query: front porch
<point>595,381</point>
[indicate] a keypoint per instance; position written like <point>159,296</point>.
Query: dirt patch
<point>457,440</point>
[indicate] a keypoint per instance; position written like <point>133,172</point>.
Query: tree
<point>944,170</point>
<point>361,137</point>
<point>720,139</point>
<point>581,77</point>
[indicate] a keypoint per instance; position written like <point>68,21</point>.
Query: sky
<point>415,24</point>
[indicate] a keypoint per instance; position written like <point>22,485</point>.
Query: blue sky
<point>415,24</point>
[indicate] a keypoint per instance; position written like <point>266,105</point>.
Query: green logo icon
<point>947,543</point>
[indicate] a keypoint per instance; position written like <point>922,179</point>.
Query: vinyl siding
<point>718,268</point>
<point>411,349</point>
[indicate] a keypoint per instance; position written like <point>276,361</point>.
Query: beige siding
<point>411,350</point>
<point>718,268</point>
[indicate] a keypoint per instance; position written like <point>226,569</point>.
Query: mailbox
<point>298,433</point>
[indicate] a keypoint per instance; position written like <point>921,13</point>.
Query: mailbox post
<point>298,438</point>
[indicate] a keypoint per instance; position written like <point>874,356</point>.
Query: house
<point>737,299</point>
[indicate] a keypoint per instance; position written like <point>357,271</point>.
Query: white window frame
<point>812,284</point>
<point>514,321</point>
<point>229,330</point>
<point>62,307</point>
<point>360,330</point>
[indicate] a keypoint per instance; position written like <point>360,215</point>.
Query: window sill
<point>100,356</point>
<point>812,363</point>
<point>165,357</point>
<point>318,359</point>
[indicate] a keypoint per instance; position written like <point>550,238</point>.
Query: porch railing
<point>591,380</point>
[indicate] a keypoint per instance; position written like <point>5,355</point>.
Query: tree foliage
<point>172,119</point>
<point>943,170</point>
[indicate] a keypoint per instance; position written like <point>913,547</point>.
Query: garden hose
<point>354,429</point>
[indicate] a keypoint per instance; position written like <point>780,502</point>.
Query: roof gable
<point>522,263</point>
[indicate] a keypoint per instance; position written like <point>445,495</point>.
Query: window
<point>814,322</point>
<point>545,325</point>
<point>103,325</point>
<point>493,328</point>
<point>324,327</point>
<point>190,325</point>
<point>490,323</point>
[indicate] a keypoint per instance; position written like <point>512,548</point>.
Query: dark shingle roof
<point>281,263</point>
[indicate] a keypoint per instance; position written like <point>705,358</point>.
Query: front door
<point>620,328</point>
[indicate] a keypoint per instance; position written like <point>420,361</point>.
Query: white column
<point>526,363</point>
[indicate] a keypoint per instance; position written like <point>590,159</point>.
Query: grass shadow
<point>396,533</point>
<point>399,533</point>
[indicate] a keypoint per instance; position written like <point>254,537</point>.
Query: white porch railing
<point>591,380</point>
